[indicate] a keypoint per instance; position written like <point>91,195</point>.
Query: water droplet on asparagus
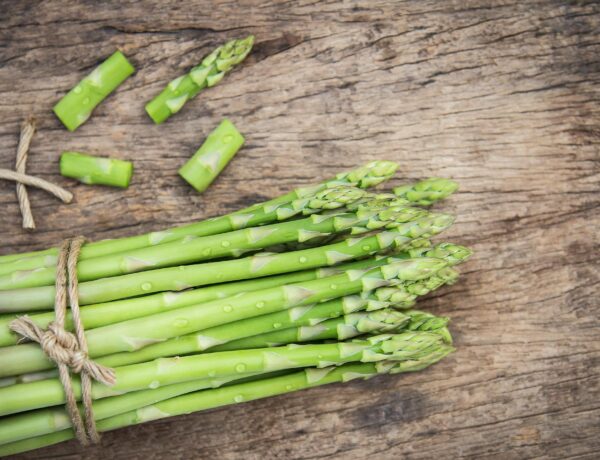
<point>333,286</point>
<point>77,89</point>
<point>238,398</point>
<point>225,244</point>
<point>366,247</point>
<point>302,260</point>
<point>260,304</point>
<point>207,252</point>
<point>154,384</point>
<point>212,373</point>
<point>227,308</point>
<point>180,322</point>
<point>241,367</point>
<point>146,286</point>
<point>277,325</point>
<point>86,101</point>
<point>227,139</point>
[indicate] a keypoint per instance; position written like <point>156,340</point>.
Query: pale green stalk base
<point>96,170</point>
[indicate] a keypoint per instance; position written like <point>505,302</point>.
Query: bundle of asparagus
<point>314,287</point>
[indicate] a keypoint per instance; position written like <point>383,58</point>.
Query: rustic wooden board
<point>500,95</point>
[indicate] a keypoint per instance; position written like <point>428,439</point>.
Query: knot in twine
<point>69,350</point>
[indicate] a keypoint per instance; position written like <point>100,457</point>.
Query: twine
<point>22,179</point>
<point>69,350</point>
<point>27,130</point>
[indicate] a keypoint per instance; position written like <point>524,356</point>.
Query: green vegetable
<point>76,106</point>
<point>188,276</point>
<point>96,170</point>
<point>103,314</point>
<point>54,419</point>
<point>366,176</point>
<point>208,73</point>
<point>428,191</point>
<point>167,371</point>
<point>189,250</point>
<point>217,150</point>
<point>138,333</point>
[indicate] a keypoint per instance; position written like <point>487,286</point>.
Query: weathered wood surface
<point>500,95</point>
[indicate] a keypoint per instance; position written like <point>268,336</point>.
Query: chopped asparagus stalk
<point>76,106</point>
<point>96,170</point>
<point>208,73</point>
<point>207,163</point>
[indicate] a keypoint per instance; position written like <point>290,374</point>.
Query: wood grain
<point>502,96</point>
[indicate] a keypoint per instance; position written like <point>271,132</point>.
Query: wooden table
<point>501,96</point>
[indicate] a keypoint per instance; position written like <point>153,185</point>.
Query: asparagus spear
<point>167,371</point>
<point>103,314</point>
<point>235,393</point>
<point>137,333</point>
<point>211,158</point>
<point>328,199</point>
<point>366,176</point>
<point>217,246</point>
<point>96,170</point>
<point>428,191</point>
<point>340,328</point>
<point>183,277</point>
<point>305,315</point>
<point>208,73</point>
<point>76,106</point>
<point>47,420</point>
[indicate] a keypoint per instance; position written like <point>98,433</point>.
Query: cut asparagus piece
<point>211,158</point>
<point>96,170</point>
<point>184,277</point>
<point>138,333</point>
<point>167,371</point>
<point>208,73</point>
<point>366,176</point>
<point>76,106</point>
<point>428,191</point>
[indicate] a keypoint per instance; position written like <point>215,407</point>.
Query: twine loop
<point>67,349</point>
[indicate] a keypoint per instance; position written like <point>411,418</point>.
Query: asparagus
<point>352,324</point>
<point>428,191</point>
<point>137,333</point>
<point>167,371</point>
<point>340,328</point>
<point>96,170</point>
<point>236,393</point>
<point>366,176</point>
<point>103,314</point>
<point>329,199</point>
<point>76,106</point>
<point>304,315</point>
<point>218,246</point>
<point>184,277</point>
<point>211,158</point>
<point>43,421</point>
<point>208,73</point>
